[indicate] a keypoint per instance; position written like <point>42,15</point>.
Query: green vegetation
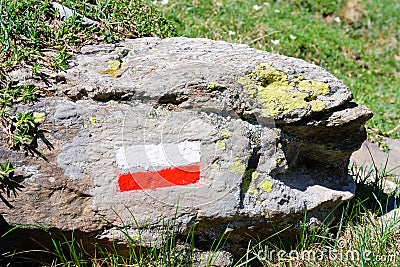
<point>70,251</point>
<point>20,127</point>
<point>357,41</point>
<point>31,34</point>
<point>6,172</point>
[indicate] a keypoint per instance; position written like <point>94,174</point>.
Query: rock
<point>370,154</point>
<point>64,13</point>
<point>217,135</point>
<point>391,219</point>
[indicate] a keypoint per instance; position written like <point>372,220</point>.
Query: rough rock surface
<point>370,154</point>
<point>271,137</point>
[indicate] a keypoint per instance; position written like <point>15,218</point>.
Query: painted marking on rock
<point>157,179</point>
<point>157,166</point>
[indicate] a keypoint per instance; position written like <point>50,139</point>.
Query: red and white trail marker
<point>157,166</point>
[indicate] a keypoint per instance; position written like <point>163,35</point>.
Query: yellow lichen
<point>212,85</point>
<point>225,135</point>
<point>280,160</point>
<point>135,237</point>
<point>237,167</point>
<point>297,78</point>
<point>213,165</point>
<point>92,120</point>
<point>316,87</point>
<point>220,144</point>
<point>114,67</point>
<point>250,86</point>
<point>39,117</point>
<point>279,96</point>
<point>277,101</point>
<point>269,73</point>
<point>265,186</point>
<point>317,105</point>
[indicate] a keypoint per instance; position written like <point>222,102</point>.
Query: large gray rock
<point>252,139</point>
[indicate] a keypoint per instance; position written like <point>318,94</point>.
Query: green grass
<point>32,35</point>
<point>364,54</point>
<point>69,250</point>
<point>20,129</point>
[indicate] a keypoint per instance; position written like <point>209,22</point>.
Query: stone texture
<point>258,172</point>
<point>370,153</point>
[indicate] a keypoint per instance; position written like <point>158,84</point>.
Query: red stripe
<point>182,175</point>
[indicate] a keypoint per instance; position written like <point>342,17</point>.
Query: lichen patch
<point>317,105</point>
<point>237,167</point>
<point>265,186</point>
<point>114,68</point>
<point>278,95</point>
<point>269,73</point>
<point>39,117</point>
<point>315,87</point>
<point>220,144</point>
<point>92,120</point>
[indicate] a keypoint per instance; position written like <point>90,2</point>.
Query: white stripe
<point>143,157</point>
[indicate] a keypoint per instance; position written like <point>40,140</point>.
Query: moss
<point>249,182</point>
<point>277,95</point>
<point>237,167</point>
<point>265,186</point>
<point>252,186</point>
